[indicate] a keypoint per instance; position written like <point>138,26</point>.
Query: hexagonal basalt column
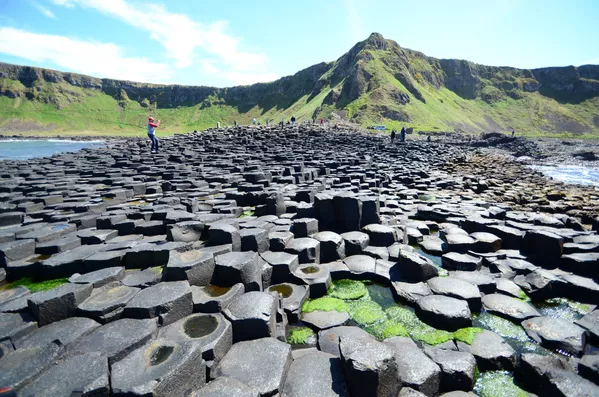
<point>253,315</point>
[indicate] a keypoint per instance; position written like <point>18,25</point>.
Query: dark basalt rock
<point>168,301</point>
<point>444,312</point>
<point>324,372</point>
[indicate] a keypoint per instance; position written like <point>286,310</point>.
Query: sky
<point>237,42</point>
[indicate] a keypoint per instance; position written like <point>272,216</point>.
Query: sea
<point>571,174</point>
<point>23,149</point>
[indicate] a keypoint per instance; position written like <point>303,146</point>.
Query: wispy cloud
<point>182,37</point>
<point>44,10</point>
<point>88,57</point>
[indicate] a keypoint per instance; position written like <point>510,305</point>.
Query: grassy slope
<point>74,110</point>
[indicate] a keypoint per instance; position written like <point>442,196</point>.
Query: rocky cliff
<point>376,81</point>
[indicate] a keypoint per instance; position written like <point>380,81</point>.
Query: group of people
<point>402,135</point>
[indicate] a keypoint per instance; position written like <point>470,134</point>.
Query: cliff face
<point>375,81</point>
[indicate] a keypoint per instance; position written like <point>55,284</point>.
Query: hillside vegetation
<point>375,82</point>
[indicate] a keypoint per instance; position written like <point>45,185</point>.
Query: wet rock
<point>261,364</point>
<point>58,303</point>
<point>253,315</point>
<point>415,369</point>
<point>321,320</point>
<point>485,283</point>
<point>317,278</point>
<point>292,298</point>
<point>589,368</point>
<point>444,312</point>
<point>369,366</point>
<point>555,333</point>
<point>325,374</point>
<point>492,352</point>
<point>433,245</point>
<point>116,339</point>
<point>590,322</point>
<point>84,374</point>
<point>168,301</point>
<point>507,307</point>
<point>159,368</point>
<point>413,267</point>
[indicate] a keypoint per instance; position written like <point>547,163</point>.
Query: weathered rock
<point>24,364</point>
<point>415,369</point>
<point>355,242</point>
<point>464,262</point>
<point>332,246</point>
<point>307,249</point>
<point>370,367</point>
<point>58,303</point>
<point>168,301</point>
<point>320,320</point>
<point>65,332</point>
<point>413,267</point>
<point>253,315</point>
<point>238,267</point>
<point>107,303</point>
<point>261,364</point>
<point>213,299</point>
<point>328,340</point>
<point>224,386</point>
<point>315,374</point>
<point>457,368</point>
<point>195,266</point>
<point>15,325</point>
<point>492,352</point>
<point>410,292</point>
<point>99,277</point>
<point>456,288</point>
<point>555,333</point>
<point>510,308</point>
<point>292,298</point>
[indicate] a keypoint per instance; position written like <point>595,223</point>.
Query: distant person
<point>513,132</point>
<point>195,131</point>
<point>292,120</point>
<point>402,134</point>
<point>152,134</point>
<point>321,122</point>
<point>254,121</point>
<point>235,123</point>
<point>313,119</point>
<point>218,124</point>
<point>392,136</point>
<point>428,138</point>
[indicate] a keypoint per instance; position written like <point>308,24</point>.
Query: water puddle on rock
<point>214,290</point>
<point>283,289</point>
<point>200,326</point>
<point>160,355</point>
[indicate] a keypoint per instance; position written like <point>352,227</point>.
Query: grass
<point>299,336</point>
<point>35,286</point>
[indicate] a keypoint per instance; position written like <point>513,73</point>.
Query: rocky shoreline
<point>295,262</point>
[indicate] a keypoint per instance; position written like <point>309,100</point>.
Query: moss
<point>498,384</point>
<point>467,335</point>
<point>523,296</point>
<point>36,286</point>
<point>387,329</point>
<point>365,312</point>
<point>326,303</point>
<point>299,336</point>
<point>416,329</point>
<point>348,289</point>
<point>247,212</point>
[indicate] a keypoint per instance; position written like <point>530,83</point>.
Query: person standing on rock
<point>392,136</point>
<point>152,134</point>
<point>402,134</point>
<point>292,120</point>
<point>254,121</point>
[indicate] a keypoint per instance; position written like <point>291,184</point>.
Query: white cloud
<point>93,58</point>
<point>45,11</point>
<point>178,33</point>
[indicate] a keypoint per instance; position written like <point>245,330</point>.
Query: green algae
<point>299,336</point>
<point>35,286</point>
<point>417,329</point>
<point>348,290</point>
<point>498,384</point>
<point>501,326</point>
<point>365,312</point>
<point>387,329</point>
<point>326,303</point>
<point>467,335</point>
<point>523,296</point>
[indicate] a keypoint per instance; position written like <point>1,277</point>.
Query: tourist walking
<point>392,136</point>
<point>254,121</point>
<point>292,120</point>
<point>152,134</point>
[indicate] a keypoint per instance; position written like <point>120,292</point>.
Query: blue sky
<point>227,43</point>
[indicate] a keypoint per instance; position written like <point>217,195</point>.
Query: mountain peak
<point>376,41</point>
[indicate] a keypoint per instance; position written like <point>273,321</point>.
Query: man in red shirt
<point>152,134</point>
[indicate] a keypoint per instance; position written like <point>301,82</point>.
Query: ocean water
<point>571,174</point>
<point>22,149</point>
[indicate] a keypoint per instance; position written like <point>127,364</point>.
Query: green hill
<point>375,82</point>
